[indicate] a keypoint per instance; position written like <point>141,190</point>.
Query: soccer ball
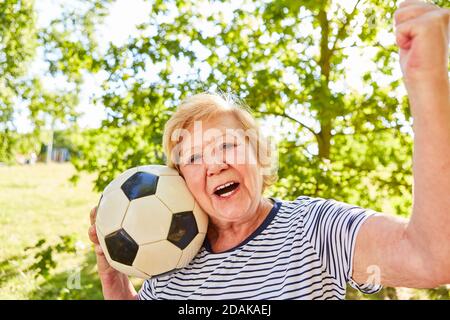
<point>148,223</point>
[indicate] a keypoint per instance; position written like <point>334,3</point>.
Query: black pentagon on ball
<point>140,184</point>
<point>121,247</point>
<point>182,229</point>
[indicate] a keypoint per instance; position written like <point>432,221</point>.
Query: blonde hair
<point>205,106</point>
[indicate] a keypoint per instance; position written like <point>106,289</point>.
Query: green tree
<point>67,47</point>
<point>18,41</point>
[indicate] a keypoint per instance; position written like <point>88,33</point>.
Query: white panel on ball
<point>158,257</point>
<point>131,271</point>
<point>191,250</point>
<point>174,193</point>
<point>159,170</point>
<point>201,217</point>
<point>119,180</point>
<point>111,211</point>
<point>147,220</point>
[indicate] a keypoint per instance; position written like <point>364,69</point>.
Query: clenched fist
<point>422,34</point>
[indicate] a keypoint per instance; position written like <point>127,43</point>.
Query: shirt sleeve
<point>147,290</point>
<point>332,227</point>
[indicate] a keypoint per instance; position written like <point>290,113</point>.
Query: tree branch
<point>354,45</point>
<point>366,132</point>
<point>285,115</point>
<point>342,31</point>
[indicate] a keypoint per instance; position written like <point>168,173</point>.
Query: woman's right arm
<point>115,285</point>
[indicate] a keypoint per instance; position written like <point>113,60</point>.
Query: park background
<point>87,85</point>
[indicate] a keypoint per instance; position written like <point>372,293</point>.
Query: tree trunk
<point>50,143</point>
<point>325,118</point>
<point>324,139</point>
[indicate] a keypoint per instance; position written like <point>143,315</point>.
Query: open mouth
<point>226,189</point>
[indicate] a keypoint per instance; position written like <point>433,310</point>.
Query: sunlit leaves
<point>18,41</point>
<point>49,90</point>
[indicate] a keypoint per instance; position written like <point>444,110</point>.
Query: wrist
<point>428,89</point>
<point>117,287</point>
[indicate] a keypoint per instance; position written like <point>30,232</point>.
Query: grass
<point>38,202</point>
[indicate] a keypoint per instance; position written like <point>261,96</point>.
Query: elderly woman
<point>309,248</point>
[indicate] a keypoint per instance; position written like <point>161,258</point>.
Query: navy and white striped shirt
<point>303,250</point>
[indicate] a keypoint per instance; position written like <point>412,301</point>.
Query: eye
<point>195,158</point>
<point>228,145</point>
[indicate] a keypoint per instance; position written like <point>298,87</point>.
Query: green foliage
<point>97,146</point>
<point>18,41</point>
<point>44,254</point>
<point>69,43</point>
<point>69,48</point>
<point>85,281</point>
<point>27,142</point>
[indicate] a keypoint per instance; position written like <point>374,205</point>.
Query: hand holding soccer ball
<point>147,224</point>
<point>115,284</point>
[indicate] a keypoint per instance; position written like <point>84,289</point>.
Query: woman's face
<point>221,170</point>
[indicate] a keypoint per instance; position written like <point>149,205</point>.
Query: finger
<point>93,215</point>
<point>407,3</point>
<point>92,232</point>
<point>406,31</point>
<point>103,266</point>
<point>404,35</point>
<point>98,250</point>
<point>411,12</point>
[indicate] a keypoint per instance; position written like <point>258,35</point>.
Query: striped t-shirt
<point>302,250</point>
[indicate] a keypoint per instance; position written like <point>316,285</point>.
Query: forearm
<point>118,288</point>
<point>429,227</point>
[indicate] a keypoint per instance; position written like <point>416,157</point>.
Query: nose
<point>215,168</point>
<point>215,162</point>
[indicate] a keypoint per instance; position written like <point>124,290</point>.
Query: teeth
<point>226,194</point>
<point>224,185</point>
